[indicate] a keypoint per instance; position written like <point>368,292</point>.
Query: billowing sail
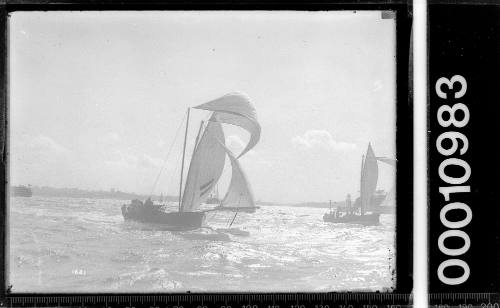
<point>387,160</point>
<point>239,193</point>
<point>206,167</point>
<point>236,109</point>
<point>369,177</point>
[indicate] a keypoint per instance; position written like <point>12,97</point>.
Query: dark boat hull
<point>367,219</point>
<point>172,220</point>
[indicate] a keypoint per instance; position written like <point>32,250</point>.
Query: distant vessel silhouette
<point>214,197</point>
<point>365,209</point>
<point>21,191</point>
<point>206,166</point>
<point>379,202</point>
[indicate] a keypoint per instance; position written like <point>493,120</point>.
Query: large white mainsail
<point>236,109</point>
<point>239,193</point>
<point>369,178</point>
<point>205,168</point>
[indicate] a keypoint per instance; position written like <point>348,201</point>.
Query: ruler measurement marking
<point>259,300</point>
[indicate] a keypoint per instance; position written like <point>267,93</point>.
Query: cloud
<point>377,85</point>
<point>147,161</point>
<point>236,145</point>
<point>43,144</point>
<point>161,143</point>
<point>321,139</point>
<point>112,137</point>
<point>126,160</point>
<point>234,142</point>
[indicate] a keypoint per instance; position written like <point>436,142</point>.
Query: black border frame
<point>404,111</point>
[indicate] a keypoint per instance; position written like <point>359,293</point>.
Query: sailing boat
<point>206,166</point>
<point>214,197</point>
<point>368,184</point>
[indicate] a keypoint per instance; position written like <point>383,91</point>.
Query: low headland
<point>46,191</point>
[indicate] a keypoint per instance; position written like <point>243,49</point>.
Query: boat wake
<point>206,234</point>
<point>234,231</point>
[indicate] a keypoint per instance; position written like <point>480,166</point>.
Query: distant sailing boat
<point>213,198</point>
<point>368,184</point>
<point>206,166</point>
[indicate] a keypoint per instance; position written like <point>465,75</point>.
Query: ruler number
<point>490,305</point>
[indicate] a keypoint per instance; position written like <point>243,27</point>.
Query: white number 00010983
<point>460,143</point>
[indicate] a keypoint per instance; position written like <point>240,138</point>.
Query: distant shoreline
<point>45,191</point>
<point>322,205</point>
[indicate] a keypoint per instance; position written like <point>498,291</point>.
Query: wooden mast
<point>198,136</point>
<point>361,198</point>
<point>182,164</point>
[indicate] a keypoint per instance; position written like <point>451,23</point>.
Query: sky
<point>98,99</point>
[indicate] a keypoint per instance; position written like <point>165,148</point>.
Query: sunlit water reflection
<point>76,244</point>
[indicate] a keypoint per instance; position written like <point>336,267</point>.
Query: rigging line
<point>172,177</point>
<point>167,156</point>
<point>239,201</point>
<point>233,219</point>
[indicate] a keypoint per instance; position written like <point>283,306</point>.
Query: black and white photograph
<point>202,151</point>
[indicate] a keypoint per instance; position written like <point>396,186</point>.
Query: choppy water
<point>74,244</point>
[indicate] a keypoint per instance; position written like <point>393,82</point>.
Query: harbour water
<point>84,245</point>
